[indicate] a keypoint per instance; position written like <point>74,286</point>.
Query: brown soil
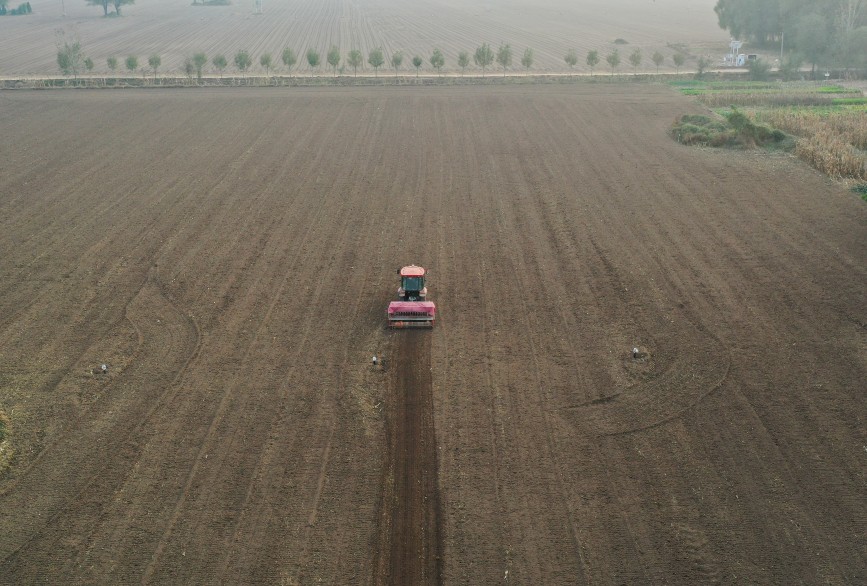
<point>230,254</point>
<point>410,541</point>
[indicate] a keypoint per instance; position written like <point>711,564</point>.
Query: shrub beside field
<point>734,130</point>
<point>828,123</point>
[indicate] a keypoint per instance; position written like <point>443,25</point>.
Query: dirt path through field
<point>410,529</point>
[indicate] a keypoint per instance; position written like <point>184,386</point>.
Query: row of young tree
<point>72,61</point>
<point>828,32</point>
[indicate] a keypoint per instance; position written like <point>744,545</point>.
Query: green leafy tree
<point>266,62</point>
<point>118,3</point>
<point>131,63</point>
<point>811,38</point>
<point>313,58</point>
<point>437,60</point>
<point>571,59</point>
<point>333,58</point>
<point>289,58</point>
<point>463,61</point>
<point>701,66</point>
<point>592,60</point>
<point>243,61</point>
<point>527,59</point>
<point>189,69</point>
<point>70,56</point>
<point>484,57</point>
<point>88,64</point>
<point>397,61</point>
<point>678,60</point>
<point>355,60</point>
<point>112,63</point>
<point>613,60</point>
<point>504,57</point>
<point>155,61</point>
<point>791,66</point>
<point>220,63</point>
<point>103,3</point>
<point>376,60</point>
<point>658,59</point>
<point>199,62</point>
<point>417,63</point>
<point>759,70</point>
<point>635,60</point>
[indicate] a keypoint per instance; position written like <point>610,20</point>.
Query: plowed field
<point>229,256</point>
<point>177,30</point>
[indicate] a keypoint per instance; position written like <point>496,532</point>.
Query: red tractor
<point>411,310</point>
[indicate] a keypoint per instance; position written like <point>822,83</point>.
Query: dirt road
<point>229,255</point>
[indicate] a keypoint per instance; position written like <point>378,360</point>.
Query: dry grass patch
<point>834,143</point>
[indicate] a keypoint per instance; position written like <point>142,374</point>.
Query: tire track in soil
<point>409,546</point>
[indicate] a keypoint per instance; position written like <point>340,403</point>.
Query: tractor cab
<point>412,284</point>
<point>411,310</point>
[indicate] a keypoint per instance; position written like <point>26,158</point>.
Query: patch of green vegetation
<point>698,129</point>
<point>849,101</point>
<point>734,130</point>
<point>861,190</point>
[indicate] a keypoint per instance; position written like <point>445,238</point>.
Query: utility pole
<point>782,44</point>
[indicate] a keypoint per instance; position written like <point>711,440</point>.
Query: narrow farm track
<point>176,31</point>
<point>234,277</point>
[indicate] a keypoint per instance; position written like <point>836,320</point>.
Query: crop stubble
<point>230,255</point>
